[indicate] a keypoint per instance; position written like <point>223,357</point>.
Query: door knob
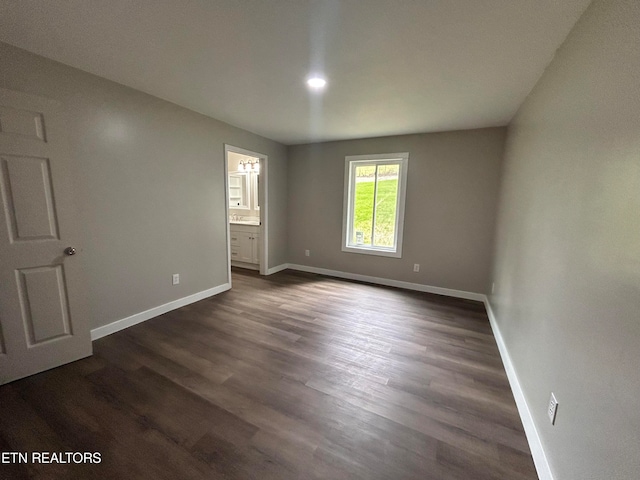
<point>70,251</point>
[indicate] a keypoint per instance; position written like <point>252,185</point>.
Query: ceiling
<point>393,66</point>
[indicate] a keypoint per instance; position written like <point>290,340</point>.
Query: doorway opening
<point>246,200</point>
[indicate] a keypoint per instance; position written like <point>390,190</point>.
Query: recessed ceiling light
<point>316,83</point>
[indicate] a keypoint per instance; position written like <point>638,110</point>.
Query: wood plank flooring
<point>291,376</point>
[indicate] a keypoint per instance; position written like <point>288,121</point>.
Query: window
<point>373,214</point>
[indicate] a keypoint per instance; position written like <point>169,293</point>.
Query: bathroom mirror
<point>238,190</point>
<point>256,190</point>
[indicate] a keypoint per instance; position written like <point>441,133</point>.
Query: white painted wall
<point>567,266</point>
<point>150,186</point>
<point>452,192</point>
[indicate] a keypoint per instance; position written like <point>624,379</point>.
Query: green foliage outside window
<point>383,225</point>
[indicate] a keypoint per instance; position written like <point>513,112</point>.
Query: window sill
<point>373,251</point>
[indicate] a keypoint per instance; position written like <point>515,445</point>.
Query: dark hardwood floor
<point>292,376</point>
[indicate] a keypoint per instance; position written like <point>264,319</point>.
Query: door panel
<point>29,203</point>
<point>245,247</point>
<point>43,302</point>
<point>43,321</point>
<point>255,248</point>
<point>22,122</point>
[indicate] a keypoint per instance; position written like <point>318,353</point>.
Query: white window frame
<point>351,162</point>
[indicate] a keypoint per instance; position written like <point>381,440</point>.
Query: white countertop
<point>244,222</point>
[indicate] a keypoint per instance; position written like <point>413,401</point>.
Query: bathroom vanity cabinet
<point>245,246</point>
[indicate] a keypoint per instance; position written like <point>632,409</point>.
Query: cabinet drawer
<point>235,253</point>
<point>235,239</point>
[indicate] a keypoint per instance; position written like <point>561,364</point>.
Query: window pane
<point>386,202</point>
<point>374,204</point>
<point>363,204</point>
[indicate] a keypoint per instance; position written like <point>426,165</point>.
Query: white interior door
<point>42,320</point>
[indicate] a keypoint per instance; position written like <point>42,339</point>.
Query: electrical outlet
<point>175,279</point>
<point>553,409</point>
<point>307,253</point>
<point>416,267</point>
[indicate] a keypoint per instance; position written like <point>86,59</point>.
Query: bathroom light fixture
<point>316,83</point>
<point>248,165</point>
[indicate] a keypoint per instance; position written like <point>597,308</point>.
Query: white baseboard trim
<point>391,283</point>
<point>277,268</point>
<point>537,452</point>
<point>123,323</point>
